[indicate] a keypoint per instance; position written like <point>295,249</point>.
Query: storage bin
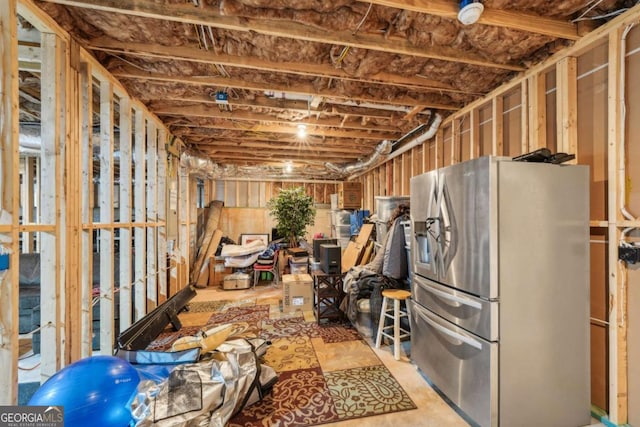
<point>342,231</point>
<point>236,281</point>
<point>298,267</point>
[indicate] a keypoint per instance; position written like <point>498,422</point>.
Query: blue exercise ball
<point>94,391</point>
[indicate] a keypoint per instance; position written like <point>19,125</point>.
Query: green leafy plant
<point>293,211</point>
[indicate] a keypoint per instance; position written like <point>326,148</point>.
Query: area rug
<point>326,373</point>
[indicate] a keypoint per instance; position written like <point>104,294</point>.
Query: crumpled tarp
<point>206,393</point>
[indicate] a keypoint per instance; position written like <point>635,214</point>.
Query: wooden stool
<point>396,295</point>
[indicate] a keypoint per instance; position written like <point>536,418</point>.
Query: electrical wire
<point>364,18</point>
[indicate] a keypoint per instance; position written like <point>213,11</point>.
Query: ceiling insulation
<point>355,73</point>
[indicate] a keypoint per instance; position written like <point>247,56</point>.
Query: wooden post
<point>28,200</point>
<point>139,204</point>
<point>152,215</point>
<point>124,207</point>
<point>455,141</point>
<point>9,202</point>
<point>537,111</point>
<point>86,109</point>
<point>107,312</point>
<point>162,216</point>
<point>183,221</point>
<point>474,133</point>
<point>72,207</point>
<point>497,128</point>
<point>618,388</point>
<point>50,307</point>
<point>567,109</point>
<point>524,117</point>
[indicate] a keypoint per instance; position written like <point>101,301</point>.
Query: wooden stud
<point>497,129</point>
<point>618,364</point>
<point>124,210</point>
<point>28,200</point>
<point>524,117</point>
<point>86,122</point>
<point>474,134</point>
<point>51,334</point>
<point>455,141</point>
<point>152,215</point>
<point>162,215</point>
<point>537,111</point>
<point>139,213</point>
<point>9,202</point>
<point>73,212</point>
<point>107,324</point>
<point>567,110</point>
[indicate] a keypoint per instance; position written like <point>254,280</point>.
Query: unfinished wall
<point>572,104</point>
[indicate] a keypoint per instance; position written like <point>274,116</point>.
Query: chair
<point>271,268</point>
<point>396,295</point>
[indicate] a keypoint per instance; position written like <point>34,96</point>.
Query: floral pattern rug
<point>326,373</point>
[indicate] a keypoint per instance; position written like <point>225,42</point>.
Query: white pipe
<point>623,114</point>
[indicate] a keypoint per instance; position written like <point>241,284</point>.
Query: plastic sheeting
<point>207,393</point>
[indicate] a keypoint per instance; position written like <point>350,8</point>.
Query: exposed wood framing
<point>210,17</point>
<point>162,215</point>
<point>567,109</point>
<point>537,111</point>
<point>9,202</point>
<point>456,141</point>
<point>494,17</point>
<point>86,196</point>
<point>50,321</point>
<point>107,324</point>
<point>71,211</point>
<point>28,175</point>
<point>140,215</point>
<point>125,128</point>
<point>618,398</point>
<point>524,117</point>
<point>474,134</point>
<point>497,129</point>
<point>152,215</point>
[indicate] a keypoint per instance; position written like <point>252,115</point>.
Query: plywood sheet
<point>213,221</point>
<point>354,250</point>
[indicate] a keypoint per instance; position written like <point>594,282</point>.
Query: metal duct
<point>430,133</point>
<point>383,149</point>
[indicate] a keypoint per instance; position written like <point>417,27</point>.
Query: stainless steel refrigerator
<point>500,292</point>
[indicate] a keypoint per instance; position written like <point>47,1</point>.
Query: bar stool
<point>396,295</point>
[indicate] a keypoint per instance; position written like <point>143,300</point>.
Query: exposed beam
<point>207,16</point>
<point>128,72</point>
<point>291,130</point>
<point>238,145</point>
<point>184,53</point>
<point>494,17</point>
<point>200,110</point>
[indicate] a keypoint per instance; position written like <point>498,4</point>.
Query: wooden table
<point>327,296</point>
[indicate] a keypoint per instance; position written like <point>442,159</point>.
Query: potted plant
<point>293,211</point>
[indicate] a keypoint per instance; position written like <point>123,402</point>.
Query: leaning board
<point>354,249</point>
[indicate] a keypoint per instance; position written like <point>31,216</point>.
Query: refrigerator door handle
<point>462,300</point>
<point>443,330</point>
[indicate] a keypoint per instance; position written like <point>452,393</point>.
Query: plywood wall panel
<point>599,366</point>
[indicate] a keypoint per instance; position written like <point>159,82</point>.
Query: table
<point>327,296</point>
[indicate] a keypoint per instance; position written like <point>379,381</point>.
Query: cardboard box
<point>349,195</point>
<point>297,292</point>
